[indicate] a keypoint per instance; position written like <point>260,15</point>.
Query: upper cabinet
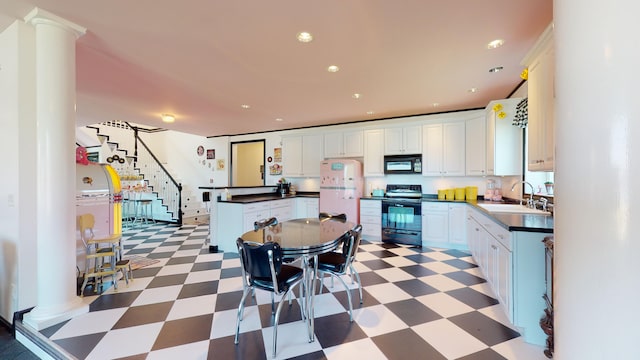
<point>504,139</point>
<point>403,140</point>
<point>301,155</point>
<point>344,144</point>
<point>541,89</point>
<point>373,152</point>
<point>444,149</point>
<point>476,146</point>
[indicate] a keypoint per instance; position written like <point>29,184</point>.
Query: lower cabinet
<point>513,265</point>
<point>371,219</point>
<point>443,225</point>
<point>307,207</point>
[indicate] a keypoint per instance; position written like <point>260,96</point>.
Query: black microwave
<point>403,164</point>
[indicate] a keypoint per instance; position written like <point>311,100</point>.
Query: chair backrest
<point>260,261</point>
<point>86,222</point>
<point>260,224</point>
<point>339,217</point>
<point>351,242</point>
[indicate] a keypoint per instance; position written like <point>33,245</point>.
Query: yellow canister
<point>441,194</point>
<point>472,192</point>
<point>450,194</point>
<point>460,193</point>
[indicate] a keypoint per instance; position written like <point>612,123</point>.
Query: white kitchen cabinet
<point>307,207</point>
<point>444,225</point>
<point>403,140</point>
<point>344,144</point>
<point>504,140</point>
<point>252,213</point>
<point>476,146</point>
<point>301,155</point>
<point>374,152</point>
<point>371,219</point>
<point>541,104</point>
<point>444,149</point>
<point>282,210</point>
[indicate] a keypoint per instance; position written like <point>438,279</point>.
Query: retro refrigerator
<point>341,186</point>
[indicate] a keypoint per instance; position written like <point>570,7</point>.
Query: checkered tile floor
<point>418,304</point>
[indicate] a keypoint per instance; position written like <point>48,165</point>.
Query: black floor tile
<point>161,255</point>
<point>460,264</point>
<point>486,354</point>
<point>475,299</point>
<point>230,273</point>
<point>184,331</point>
<point>406,344</point>
<point>415,287</point>
<point>419,259</point>
<point>114,301</point>
<point>167,280</point>
<point>181,260</point>
<point>371,278</point>
<point>484,328</point>
<point>288,314</point>
<point>198,289</point>
<point>383,253</point>
<point>146,272</point>
<point>413,312</point>
<point>376,264</point>
<point>456,253</point>
<point>418,270</point>
<point>231,300</point>
<point>209,265</point>
<point>144,314</point>
<point>465,278</point>
<point>336,329</point>
<point>80,346</point>
<point>250,346</point>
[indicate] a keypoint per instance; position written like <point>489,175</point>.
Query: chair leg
<point>348,294</point>
<point>355,273</point>
<point>276,320</point>
<point>240,314</point>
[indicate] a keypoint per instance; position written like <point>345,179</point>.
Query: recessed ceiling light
<point>245,106</point>
<point>333,68</point>
<point>168,118</point>
<point>370,112</point>
<point>279,119</point>
<point>495,44</point>
<point>473,90</point>
<point>304,37</point>
<point>435,104</point>
<point>356,96</point>
<point>496,69</point>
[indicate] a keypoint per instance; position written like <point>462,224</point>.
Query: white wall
<point>17,183</point>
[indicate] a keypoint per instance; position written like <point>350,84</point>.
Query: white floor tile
<point>440,268</point>
<point>450,340</point>
<point>326,304</point>
<point>89,323</point>
<point>209,257</point>
<point>444,305</point>
<point>387,292</point>
<point>398,261</point>
<point>118,343</point>
<point>377,320</point>
<point>202,276</point>
<point>157,295</point>
<point>229,285</point>
<point>224,322</point>
<point>175,269</point>
<point>190,252</point>
<point>360,349</point>
<point>497,313</point>
<point>193,306</point>
<point>394,274</point>
<point>437,255</point>
<point>230,263</point>
<point>163,249</point>
<point>441,282</point>
<point>517,349</point>
<point>292,341</point>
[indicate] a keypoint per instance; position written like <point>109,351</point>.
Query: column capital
<point>38,16</point>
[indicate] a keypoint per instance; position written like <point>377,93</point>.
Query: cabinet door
<point>433,149</point>
<point>393,141</point>
<point>353,143</point>
<point>549,110</point>
<point>503,276</point>
<point>333,145</point>
<point>475,149</point>
<point>457,224</point>
<point>292,156</point>
<point>374,153</point>
<point>541,103</point>
<point>435,224</point>
<point>311,155</point>
<point>412,139</point>
<point>454,150</point>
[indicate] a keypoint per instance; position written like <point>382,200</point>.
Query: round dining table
<point>304,238</point>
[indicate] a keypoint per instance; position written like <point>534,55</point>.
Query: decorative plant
<point>525,74</point>
<point>282,180</point>
<point>498,109</point>
<point>548,182</point>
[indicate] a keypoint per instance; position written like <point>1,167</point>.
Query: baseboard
<point>36,342</point>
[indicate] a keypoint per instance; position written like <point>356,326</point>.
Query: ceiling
<point>202,60</point>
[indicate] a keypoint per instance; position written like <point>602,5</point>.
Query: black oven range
<point>402,215</point>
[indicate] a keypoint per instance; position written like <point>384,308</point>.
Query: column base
<point>41,317</point>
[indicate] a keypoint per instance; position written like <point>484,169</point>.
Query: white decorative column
<point>55,217</point>
<point>597,280</point>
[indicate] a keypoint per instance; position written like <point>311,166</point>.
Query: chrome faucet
<point>530,201</point>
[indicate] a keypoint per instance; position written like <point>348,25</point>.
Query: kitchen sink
<point>512,208</point>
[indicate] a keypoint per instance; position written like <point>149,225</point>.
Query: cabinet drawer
<point>370,212</point>
<point>433,206</point>
<point>257,206</point>
<point>371,204</point>
<point>370,219</point>
<point>501,234</point>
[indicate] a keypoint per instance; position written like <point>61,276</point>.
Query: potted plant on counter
<point>549,186</point>
<point>283,186</point>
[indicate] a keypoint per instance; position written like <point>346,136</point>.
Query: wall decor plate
<point>200,150</point>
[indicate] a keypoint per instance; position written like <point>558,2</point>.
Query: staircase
<point>138,166</point>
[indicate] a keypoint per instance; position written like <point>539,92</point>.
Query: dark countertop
<point>248,199</point>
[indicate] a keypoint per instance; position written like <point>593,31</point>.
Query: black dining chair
<point>260,224</point>
<point>262,268</point>
<point>329,216</point>
<point>337,263</point>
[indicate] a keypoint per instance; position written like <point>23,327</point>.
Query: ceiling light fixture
<point>495,44</point>
<point>168,118</point>
<point>370,112</point>
<point>435,104</point>
<point>356,96</point>
<point>333,68</point>
<point>279,119</point>
<point>245,106</point>
<point>304,37</point>
<point>473,90</point>
<point>496,69</point>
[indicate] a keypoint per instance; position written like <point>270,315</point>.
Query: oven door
<point>402,221</point>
